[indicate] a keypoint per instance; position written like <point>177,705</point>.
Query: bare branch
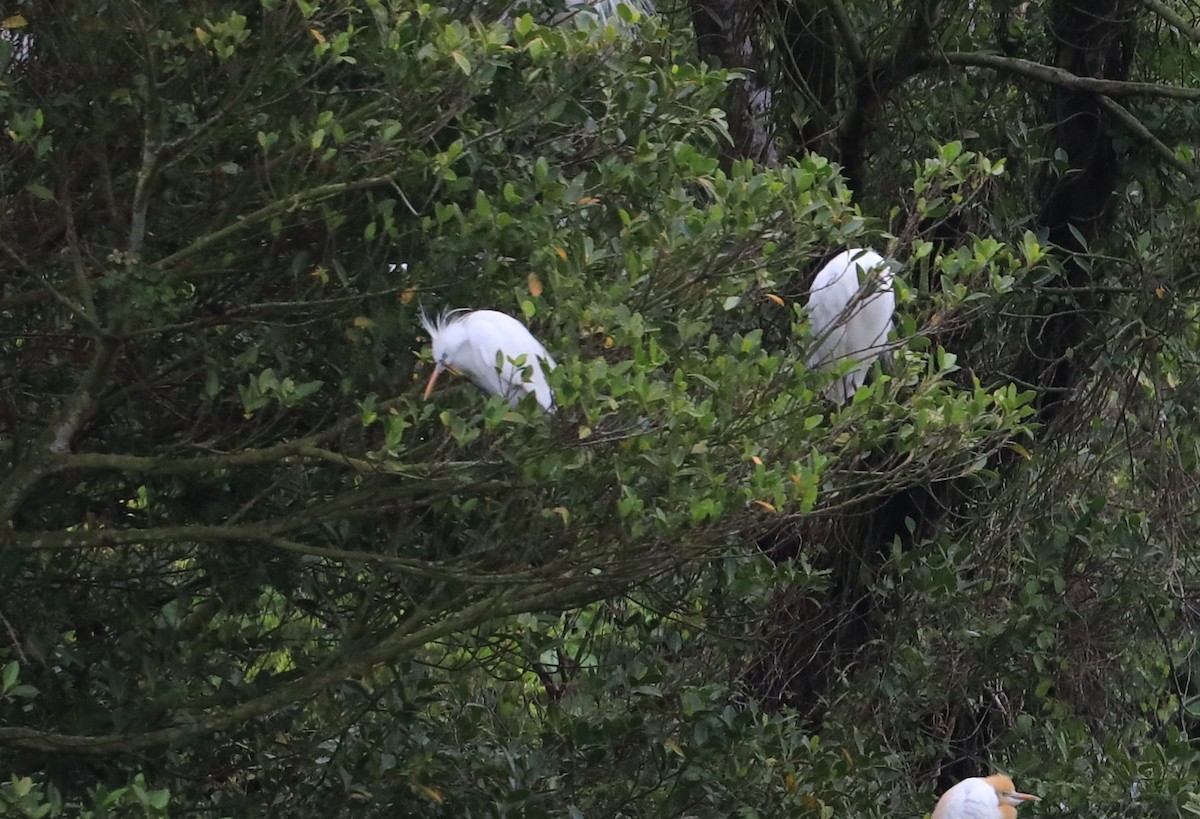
<point>421,628</point>
<point>1174,18</point>
<point>1065,79</point>
<point>265,213</point>
<point>846,29</point>
<point>55,440</point>
<point>1139,128</point>
<point>141,194</point>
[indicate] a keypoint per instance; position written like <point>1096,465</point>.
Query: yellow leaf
<point>318,36</point>
<point>1160,291</point>
<point>811,802</point>
<point>1020,450</point>
<point>608,342</point>
<point>775,299</point>
<point>935,319</point>
<point>673,746</point>
<point>757,460</point>
<point>789,782</point>
<point>408,295</point>
<point>535,285</point>
<point>588,200</point>
<point>769,507</point>
<point>363,322</point>
<point>796,479</point>
<point>320,273</point>
<point>562,253</point>
<point>432,793</point>
<point>202,36</point>
<point>564,514</point>
<point>16,21</point>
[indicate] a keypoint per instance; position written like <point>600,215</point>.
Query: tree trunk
<point>726,34</point>
<point>810,643</point>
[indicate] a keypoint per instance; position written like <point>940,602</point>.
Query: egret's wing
<point>850,306</point>
<point>478,355</point>
<point>873,306</point>
<point>828,298</point>
<point>499,340</point>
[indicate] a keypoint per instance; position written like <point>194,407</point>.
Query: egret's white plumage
<point>580,13</point>
<point>492,349</point>
<point>850,308</point>
<point>989,797</point>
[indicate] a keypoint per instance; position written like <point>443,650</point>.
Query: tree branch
<point>55,440</point>
<point>1065,79</point>
<point>420,629</point>
<point>1139,129</point>
<point>265,213</point>
<point>854,52</point>
<point>1174,18</point>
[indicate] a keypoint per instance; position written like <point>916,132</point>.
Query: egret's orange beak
<point>437,370</point>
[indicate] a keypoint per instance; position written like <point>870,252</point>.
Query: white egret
<point>580,13</point>
<point>850,308</point>
<point>492,349</point>
<point>988,797</point>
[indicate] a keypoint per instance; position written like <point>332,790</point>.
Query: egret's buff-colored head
<point>1010,798</point>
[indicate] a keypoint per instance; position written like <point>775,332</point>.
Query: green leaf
<point>40,191</point>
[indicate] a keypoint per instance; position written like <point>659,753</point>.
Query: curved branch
<point>421,628</point>
<point>874,84</point>
<point>265,213</point>
<point>1065,79</point>
<point>54,442</point>
<point>1174,18</point>
<point>1140,130</point>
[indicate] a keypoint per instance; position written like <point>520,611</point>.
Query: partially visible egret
<point>485,346</point>
<point>580,13</point>
<point>850,307</point>
<point>988,797</point>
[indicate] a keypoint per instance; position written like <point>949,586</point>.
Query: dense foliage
<point>248,571</point>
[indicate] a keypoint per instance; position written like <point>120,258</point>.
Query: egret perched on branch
<point>988,797</point>
<point>850,307</point>
<point>492,349</point>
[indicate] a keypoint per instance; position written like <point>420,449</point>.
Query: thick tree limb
<point>1174,18</point>
<point>1142,132</point>
<point>1065,79</point>
<point>55,440</point>
<point>419,629</point>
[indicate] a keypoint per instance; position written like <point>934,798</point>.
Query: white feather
<point>850,308</point>
<point>972,798</point>
<point>495,351</point>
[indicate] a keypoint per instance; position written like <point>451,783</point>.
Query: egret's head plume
<point>437,326</point>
